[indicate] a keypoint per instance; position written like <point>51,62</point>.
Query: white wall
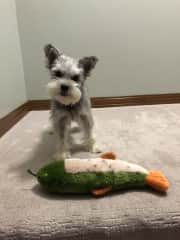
<point>137,42</point>
<point>12,84</point>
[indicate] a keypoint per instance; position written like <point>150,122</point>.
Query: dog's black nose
<point>64,88</point>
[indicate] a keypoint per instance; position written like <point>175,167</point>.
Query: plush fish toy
<point>97,176</point>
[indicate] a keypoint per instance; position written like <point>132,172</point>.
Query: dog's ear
<point>51,54</point>
<point>88,63</point>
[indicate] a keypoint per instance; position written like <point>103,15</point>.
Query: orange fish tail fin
<point>157,180</point>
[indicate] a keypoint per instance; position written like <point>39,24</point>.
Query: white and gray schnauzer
<point>69,98</point>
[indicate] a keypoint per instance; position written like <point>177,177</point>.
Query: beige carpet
<point>147,135</point>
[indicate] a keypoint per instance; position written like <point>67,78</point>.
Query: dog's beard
<point>73,96</point>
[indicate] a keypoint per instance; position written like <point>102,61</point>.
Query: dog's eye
<point>58,73</point>
<point>75,78</point>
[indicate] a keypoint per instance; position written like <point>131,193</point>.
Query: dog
<point>69,98</point>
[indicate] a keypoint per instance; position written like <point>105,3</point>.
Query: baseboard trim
<point>12,118</point>
<point>98,102</point>
<point>101,102</point>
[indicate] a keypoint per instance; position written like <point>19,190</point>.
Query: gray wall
<point>12,84</point>
<point>137,42</point>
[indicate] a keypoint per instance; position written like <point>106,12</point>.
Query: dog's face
<point>67,74</point>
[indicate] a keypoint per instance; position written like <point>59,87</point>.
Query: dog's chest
<point>60,111</point>
<point>73,113</point>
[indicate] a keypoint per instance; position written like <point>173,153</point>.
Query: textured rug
<point>147,135</point>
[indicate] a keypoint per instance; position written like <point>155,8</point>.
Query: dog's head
<point>67,74</point>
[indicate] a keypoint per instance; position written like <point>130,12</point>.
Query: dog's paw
<point>49,129</point>
<point>91,146</point>
<point>96,149</point>
<point>61,155</point>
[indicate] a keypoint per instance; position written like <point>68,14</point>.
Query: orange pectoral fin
<point>100,191</point>
<point>108,155</point>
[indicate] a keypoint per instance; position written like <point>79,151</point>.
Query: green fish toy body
<point>97,176</point>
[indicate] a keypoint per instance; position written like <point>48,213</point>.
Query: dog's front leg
<point>62,132</point>
<point>87,123</point>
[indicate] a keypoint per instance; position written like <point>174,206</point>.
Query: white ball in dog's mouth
<point>73,95</point>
